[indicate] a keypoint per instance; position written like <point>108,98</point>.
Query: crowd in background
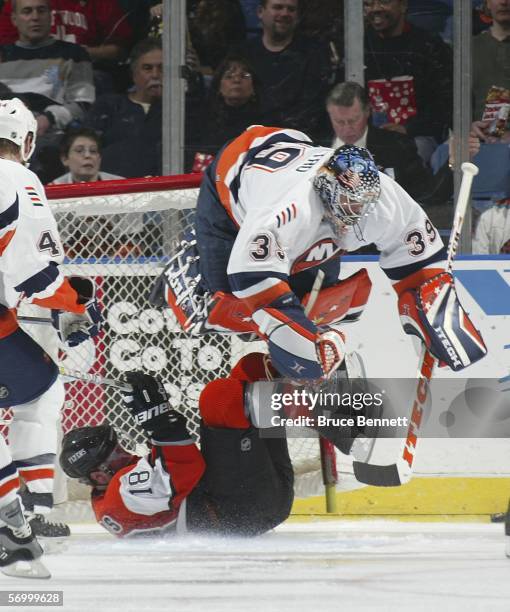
<point>97,66</point>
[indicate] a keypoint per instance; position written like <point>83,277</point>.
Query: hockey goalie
<point>274,209</point>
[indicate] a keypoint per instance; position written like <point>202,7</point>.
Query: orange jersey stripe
<point>416,279</point>
<point>265,297</point>
<point>64,298</point>
<point>4,241</point>
<point>230,157</point>
<point>9,486</point>
<point>8,323</point>
<point>29,475</point>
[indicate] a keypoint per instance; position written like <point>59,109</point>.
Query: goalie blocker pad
<point>433,312</point>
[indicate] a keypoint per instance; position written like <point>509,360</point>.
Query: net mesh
<point>123,240</point>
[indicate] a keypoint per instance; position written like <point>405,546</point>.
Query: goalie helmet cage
<point>121,233</point>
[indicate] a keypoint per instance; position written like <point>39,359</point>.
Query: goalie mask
<point>348,186</point>
<point>87,449</point>
<point>17,124</point>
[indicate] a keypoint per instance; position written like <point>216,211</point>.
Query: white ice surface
<point>316,566</point>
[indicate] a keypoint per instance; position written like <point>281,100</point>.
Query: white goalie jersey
<point>265,183</point>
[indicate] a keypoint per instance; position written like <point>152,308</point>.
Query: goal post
<point>121,233</point>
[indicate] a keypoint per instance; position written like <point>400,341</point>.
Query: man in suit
<point>395,154</point>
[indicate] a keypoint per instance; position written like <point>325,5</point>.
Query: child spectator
<point>81,154</point>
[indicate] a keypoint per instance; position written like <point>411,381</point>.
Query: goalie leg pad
<point>434,313</point>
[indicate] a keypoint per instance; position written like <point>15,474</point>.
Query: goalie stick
<point>396,474</point>
<point>327,448</point>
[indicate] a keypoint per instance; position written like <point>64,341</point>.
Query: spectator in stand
<point>52,77</point>
<point>294,71</point>
<point>233,106</point>
<point>130,123</point>
<point>395,154</point>
<point>491,64</point>
<point>492,234</point>
<point>81,154</point>
<point>409,75</point>
<point>348,107</point>
<point>101,27</point>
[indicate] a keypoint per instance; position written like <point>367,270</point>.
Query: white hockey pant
<point>33,438</point>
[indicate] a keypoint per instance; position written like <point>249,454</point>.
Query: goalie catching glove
<point>148,403</point>
<point>433,312</point>
<point>72,328</point>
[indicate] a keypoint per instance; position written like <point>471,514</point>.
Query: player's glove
<point>331,350</point>
<point>72,328</point>
<point>148,403</point>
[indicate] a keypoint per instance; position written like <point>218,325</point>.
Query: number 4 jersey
<point>30,248</point>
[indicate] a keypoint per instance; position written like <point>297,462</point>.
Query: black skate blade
<point>27,569</point>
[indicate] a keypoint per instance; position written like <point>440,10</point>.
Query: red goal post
<point>121,233</point>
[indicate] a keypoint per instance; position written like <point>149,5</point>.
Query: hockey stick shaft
<point>77,374</point>
<point>94,379</point>
<point>34,320</point>
<point>400,472</point>
<point>327,448</point>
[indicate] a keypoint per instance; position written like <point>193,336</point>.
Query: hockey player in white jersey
<point>30,254</point>
<point>272,210</point>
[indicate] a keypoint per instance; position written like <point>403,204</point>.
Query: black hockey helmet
<point>84,449</point>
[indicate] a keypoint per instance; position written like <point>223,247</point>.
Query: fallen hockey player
<point>240,482</point>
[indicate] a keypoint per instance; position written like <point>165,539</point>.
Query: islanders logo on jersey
<point>318,253</point>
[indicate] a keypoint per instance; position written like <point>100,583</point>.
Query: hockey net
<point>121,234</point>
